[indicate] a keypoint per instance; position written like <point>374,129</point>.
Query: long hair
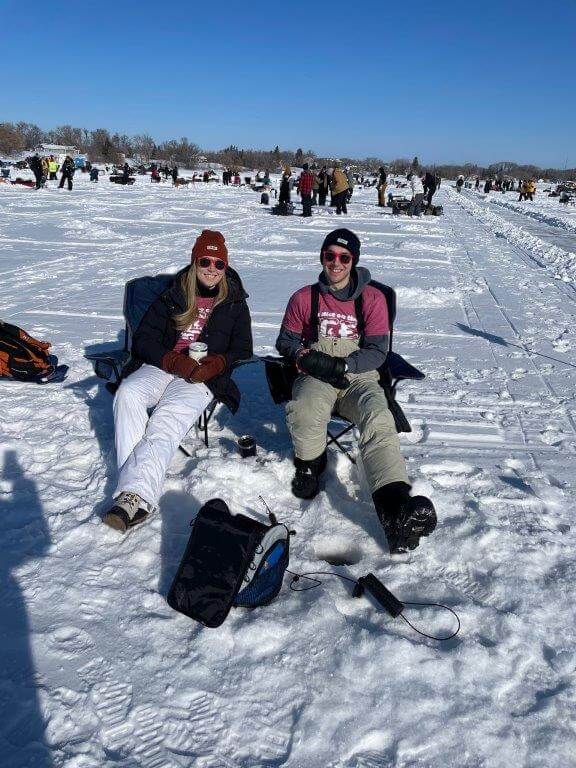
<point>190,287</point>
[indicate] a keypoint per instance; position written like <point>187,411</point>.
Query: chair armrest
<point>275,360</point>
<point>280,376</point>
<point>249,361</point>
<point>401,369</point>
<point>108,365</point>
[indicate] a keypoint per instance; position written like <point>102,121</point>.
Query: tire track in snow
<point>541,216</point>
<point>562,263</point>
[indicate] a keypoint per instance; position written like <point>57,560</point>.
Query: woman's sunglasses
<point>343,258</point>
<point>207,262</point>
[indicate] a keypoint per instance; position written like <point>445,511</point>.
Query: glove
<point>324,367</point>
<point>179,365</point>
<point>209,367</point>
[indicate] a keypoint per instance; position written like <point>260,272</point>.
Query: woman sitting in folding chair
<point>205,303</point>
<point>337,331</point>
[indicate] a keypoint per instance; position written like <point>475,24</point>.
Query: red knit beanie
<point>210,243</point>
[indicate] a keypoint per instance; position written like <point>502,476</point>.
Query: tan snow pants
<point>363,403</point>
<point>382,195</point>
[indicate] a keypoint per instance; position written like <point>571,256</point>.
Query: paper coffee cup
<point>197,350</point>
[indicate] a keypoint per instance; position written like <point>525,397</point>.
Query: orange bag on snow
<point>24,358</point>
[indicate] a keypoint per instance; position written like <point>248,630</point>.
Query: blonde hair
<point>190,287</point>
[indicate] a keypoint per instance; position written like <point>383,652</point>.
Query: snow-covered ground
<point>98,671</point>
<point>543,226</point>
<point>545,209</point>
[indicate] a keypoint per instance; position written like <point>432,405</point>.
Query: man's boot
<point>305,480</point>
<point>405,518</point>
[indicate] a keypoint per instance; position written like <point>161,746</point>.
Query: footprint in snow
<point>70,641</point>
<point>112,701</point>
<point>199,731</point>
<point>369,759</point>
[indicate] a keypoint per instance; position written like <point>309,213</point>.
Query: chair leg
<point>204,420</point>
<point>336,441</point>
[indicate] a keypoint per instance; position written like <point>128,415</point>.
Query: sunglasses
<point>205,262</point>
<point>343,258</point>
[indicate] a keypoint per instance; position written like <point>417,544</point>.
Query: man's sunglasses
<point>343,258</point>
<point>207,262</point>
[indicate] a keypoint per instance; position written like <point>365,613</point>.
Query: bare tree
<point>400,165</point>
<point>182,152</point>
<point>101,147</point>
<point>10,139</point>
<point>67,135</point>
<point>31,134</point>
<point>144,147</point>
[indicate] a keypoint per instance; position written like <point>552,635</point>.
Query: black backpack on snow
<point>230,561</point>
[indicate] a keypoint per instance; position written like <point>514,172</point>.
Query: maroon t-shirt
<point>337,319</point>
<point>191,333</point>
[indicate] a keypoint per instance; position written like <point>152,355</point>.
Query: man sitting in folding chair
<point>338,334</point>
<point>205,303</point>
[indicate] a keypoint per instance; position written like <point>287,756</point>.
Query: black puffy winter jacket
<point>227,332</point>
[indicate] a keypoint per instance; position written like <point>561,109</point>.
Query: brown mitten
<point>179,365</point>
<point>210,366</point>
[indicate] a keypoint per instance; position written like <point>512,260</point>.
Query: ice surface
<point>98,671</point>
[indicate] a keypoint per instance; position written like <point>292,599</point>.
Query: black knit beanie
<point>344,238</point>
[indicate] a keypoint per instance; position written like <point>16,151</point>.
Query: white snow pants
<point>146,444</point>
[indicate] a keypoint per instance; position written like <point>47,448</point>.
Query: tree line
<point>102,146</point>
<point>99,145</point>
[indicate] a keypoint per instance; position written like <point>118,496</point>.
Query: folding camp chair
<point>281,374</point>
<point>139,294</point>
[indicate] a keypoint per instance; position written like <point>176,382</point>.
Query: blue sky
<point>447,81</point>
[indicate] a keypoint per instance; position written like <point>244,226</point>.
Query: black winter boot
<point>305,480</point>
<point>405,518</point>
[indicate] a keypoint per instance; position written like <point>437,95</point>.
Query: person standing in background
<point>417,188</point>
<point>45,170</point>
<point>35,165</point>
<point>351,181</point>
<point>52,168</point>
<point>382,183</point>
<point>315,188</point>
<point>429,187</point>
<point>305,185</point>
<point>339,188</point>
<point>68,169</point>
<point>322,186</point>
<point>284,199</point>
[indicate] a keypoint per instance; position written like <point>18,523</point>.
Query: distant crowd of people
<point>313,185</point>
<point>526,187</point>
<point>45,168</point>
